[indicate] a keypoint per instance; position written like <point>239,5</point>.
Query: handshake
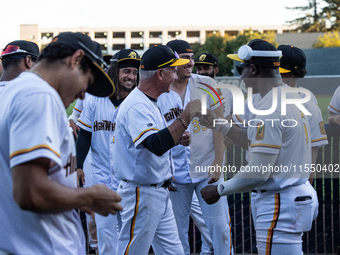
<point>207,117</point>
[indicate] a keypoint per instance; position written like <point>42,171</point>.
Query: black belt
<point>166,183</point>
<point>262,190</point>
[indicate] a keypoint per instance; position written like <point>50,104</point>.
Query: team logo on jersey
<point>219,92</point>
<point>259,132</point>
<point>322,128</point>
<point>202,57</point>
<point>133,55</point>
<point>149,125</point>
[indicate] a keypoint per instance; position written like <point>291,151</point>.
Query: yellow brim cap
<point>180,62</point>
<point>282,70</point>
<point>235,57</point>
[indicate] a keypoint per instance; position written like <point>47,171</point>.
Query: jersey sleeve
<point>334,105</point>
<point>317,128</point>
<point>36,131</point>
<point>86,119</point>
<point>265,136</point>
<point>140,122</point>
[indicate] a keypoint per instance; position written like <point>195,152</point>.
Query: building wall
<point>113,39</point>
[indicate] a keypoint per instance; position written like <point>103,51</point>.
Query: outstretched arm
<point>34,191</point>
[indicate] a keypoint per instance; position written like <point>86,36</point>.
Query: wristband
<point>183,122</point>
<point>220,189</point>
<point>223,128</point>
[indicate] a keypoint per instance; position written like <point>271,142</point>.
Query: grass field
<point>322,100</point>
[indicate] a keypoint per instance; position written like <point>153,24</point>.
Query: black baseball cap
<point>126,58</point>
<point>102,86</point>
<point>20,49</point>
<point>180,46</point>
<point>160,56</point>
<point>206,59</point>
<point>107,58</point>
<point>292,59</point>
<point>258,52</point>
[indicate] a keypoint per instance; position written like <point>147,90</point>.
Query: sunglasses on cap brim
<point>94,55</point>
<point>14,49</point>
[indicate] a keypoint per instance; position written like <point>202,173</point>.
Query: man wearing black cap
<point>17,57</point>
<point>283,202</point>
<point>142,158</point>
<point>207,64</point>
<point>97,122</point>
<point>37,151</point>
<point>293,67</point>
<point>206,150</point>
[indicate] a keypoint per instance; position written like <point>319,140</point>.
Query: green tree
<point>222,46</point>
<point>330,39</point>
<point>332,13</point>
<point>312,20</point>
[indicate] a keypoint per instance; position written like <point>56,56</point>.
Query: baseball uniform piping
<point>84,124</point>
<point>133,222</point>
<point>266,145</point>
<point>270,234</point>
<point>146,130</point>
<point>41,146</point>
<point>334,108</point>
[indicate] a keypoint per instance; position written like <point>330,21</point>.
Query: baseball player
<point>17,57</point>
<point>86,173</point>
<point>143,158</point>
<point>97,127</point>
<point>334,108</point>
<point>279,196</point>
<point>202,152</point>
<point>37,152</point>
<point>293,67</point>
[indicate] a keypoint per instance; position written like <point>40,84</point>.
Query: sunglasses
<point>94,55</point>
<point>11,49</point>
<point>172,60</point>
<point>240,67</point>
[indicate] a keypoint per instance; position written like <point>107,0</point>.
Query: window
<point>46,35</point>
<point>118,34</point>
<point>99,35</point>
<point>137,34</point>
<point>193,33</point>
<point>139,46</point>
<point>118,46</point>
<point>155,34</point>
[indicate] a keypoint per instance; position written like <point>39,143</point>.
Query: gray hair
<point>147,74</point>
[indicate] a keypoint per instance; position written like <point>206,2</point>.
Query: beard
<point>211,75</point>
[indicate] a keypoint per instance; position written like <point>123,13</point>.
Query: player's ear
<point>215,70</point>
<point>77,57</point>
<point>254,69</point>
<point>28,62</point>
<point>160,73</point>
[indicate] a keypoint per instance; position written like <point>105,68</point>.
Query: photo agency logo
<point>238,103</point>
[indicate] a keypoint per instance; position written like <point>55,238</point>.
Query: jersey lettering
<point>106,125</point>
<point>173,114</point>
<point>71,165</point>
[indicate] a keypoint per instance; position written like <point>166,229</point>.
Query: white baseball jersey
<point>291,144</point>
<point>99,117</point>
<point>2,85</point>
<point>227,100</point>
<point>334,105</point>
<point>316,124</point>
<point>201,151</point>
<point>138,118</point>
<point>33,125</point>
